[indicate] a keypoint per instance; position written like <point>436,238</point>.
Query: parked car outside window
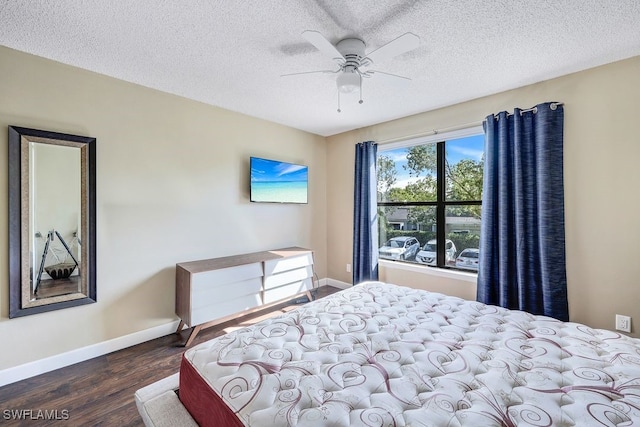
<point>401,248</point>
<point>468,259</point>
<point>428,253</point>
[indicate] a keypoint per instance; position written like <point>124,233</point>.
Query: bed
<point>379,354</point>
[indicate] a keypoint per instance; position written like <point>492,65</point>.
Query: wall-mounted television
<point>273,181</point>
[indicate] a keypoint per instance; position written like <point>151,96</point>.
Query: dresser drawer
<point>206,295</point>
<point>225,276</point>
<point>286,291</point>
<point>218,309</point>
<point>287,277</point>
<point>275,266</point>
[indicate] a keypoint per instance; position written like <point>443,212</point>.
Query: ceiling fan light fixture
<point>348,82</point>
<point>352,60</point>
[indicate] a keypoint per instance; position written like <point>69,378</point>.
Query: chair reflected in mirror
<point>61,281</point>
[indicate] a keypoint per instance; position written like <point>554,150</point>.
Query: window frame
<point>440,203</point>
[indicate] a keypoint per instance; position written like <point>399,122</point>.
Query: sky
<point>471,147</point>
<point>272,170</point>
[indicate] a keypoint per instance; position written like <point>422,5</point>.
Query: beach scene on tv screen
<point>278,182</point>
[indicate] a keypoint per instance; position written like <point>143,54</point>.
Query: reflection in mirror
<point>54,206</point>
<point>51,221</point>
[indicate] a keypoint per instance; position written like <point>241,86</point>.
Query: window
<point>429,199</point>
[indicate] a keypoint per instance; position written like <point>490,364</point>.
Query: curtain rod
<point>552,105</point>
<point>431,132</point>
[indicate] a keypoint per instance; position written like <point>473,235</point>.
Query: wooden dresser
<point>212,291</point>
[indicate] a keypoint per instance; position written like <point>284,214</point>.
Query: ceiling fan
<point>353,63</point>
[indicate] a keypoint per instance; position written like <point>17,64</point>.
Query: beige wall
<point>601,155</point>
<point>460,284</point>
<point>172,186</point>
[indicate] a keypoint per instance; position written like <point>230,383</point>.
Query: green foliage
<point>464,182</point>
<point>464,240</point>
<point>422,158</point>
<point>422,190</point>
<point>386,171</point>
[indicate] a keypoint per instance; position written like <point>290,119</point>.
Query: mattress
<point>379,354</point>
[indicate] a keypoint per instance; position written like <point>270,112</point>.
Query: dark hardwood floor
<point>53,288</point>
<point>99,392</point>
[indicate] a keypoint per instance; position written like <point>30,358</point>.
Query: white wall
<point>172,186</point>
<point>601,152</point>
<point>55,189</point>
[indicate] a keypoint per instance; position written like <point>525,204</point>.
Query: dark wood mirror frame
<point>19,226</point>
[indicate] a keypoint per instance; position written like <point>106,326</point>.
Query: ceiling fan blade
<point>371,72</point>
<point>404,43</point>
<point>310,72</point>
<point>322,44</point>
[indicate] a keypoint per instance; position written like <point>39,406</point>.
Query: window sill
<point>431,271</point>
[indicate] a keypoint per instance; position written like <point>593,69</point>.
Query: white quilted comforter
<point>384,355</point>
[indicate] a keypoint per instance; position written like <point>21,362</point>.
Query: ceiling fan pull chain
<point>339,110</point>
<point>360,101</point>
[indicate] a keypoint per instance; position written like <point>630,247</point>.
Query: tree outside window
<point>432,191</point>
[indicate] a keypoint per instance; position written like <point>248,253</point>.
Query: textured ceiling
<point>231,53</point>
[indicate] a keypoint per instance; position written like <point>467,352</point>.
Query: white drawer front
<point>224,276</point>
<point>288,277</point>
<point>209,295</point>
<point>220,309</point>
<point>275,266</point>
<point>283,292</point>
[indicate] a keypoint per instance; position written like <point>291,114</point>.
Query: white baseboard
<point>337,284</point>
<point>37,367</point>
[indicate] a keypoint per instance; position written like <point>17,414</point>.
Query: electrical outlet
<point>623,323</point>
<point>348,268</point>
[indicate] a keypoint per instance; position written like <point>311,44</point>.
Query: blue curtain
<point>522,246</point>
<point>365,214</point>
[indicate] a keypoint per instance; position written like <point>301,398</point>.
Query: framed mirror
<point>52,221</point>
